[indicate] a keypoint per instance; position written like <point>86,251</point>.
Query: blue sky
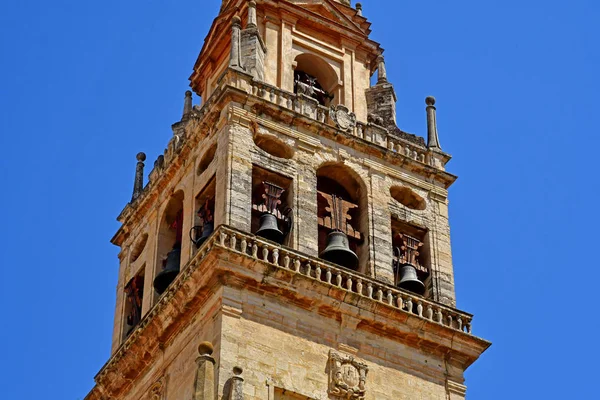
<point>86,85</point>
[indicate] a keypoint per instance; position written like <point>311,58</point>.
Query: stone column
<point>138,183</point>
<point>433,141</point>
<point>187,103</point>
<point>235,57</point>
<point>204,388</point>
<point>237,385</point>
<point>381,71</point>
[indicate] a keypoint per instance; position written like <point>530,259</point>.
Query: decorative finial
<point>237,384</point>
<point>205,349</point>
<point>252,14</point>
<point>433,141</point>
<point>235,57</point>
<point>138,183</point>
<point>381,71</point>
<point>359,9</point>
<point>187,103</point>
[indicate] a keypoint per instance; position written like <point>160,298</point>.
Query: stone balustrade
<point>330,274</point>
<point>309,107</point>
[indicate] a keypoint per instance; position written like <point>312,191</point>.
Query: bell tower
<point>291,242</point>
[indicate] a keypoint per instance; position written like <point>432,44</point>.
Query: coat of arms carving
<point>347,377</point>
<point>343,117</point>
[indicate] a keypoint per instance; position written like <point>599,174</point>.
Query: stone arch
<point>343,181</point>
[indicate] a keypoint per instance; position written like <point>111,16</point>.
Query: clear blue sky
<point>85,85</point>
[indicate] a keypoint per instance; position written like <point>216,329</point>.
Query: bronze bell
<point>269,228</point>
<point>168,274</point>
<point>409,280</point>
<point>207,230</point>
<point>338,250</point>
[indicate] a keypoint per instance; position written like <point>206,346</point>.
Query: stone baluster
<point>359,287</point>
<point>254,250</point>
<point>338,279</point>
<point>409,305</point>
<point>286,261</point>
<point>328,275</point>
<point>420,308</point>
<point>276,256</point>
<point>349,283</point>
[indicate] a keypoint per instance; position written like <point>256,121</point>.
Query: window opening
<point>410,262</point>
<point>134,294</point>
<point>272,215</point>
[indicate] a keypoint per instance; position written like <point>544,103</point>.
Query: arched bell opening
<point>342,217</point>
<point>411,262</point>
<point>170,236</point>
<point>272,200</point>
<point>204,223</point>
<point>314,77</point>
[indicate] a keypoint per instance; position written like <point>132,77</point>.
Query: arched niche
<point>207,159</point>
<point>340,180</point>
<point>408,198</point>
<point>273,146</point>
<point>138,248</point>
<point>313,71</point>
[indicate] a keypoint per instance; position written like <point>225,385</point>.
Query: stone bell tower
<point>292,242</point>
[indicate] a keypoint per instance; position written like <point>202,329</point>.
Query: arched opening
<point>315,78</point>
<point>408,198</point>
<point>342,208</point>
<point>169,243</point>
<point>273,146</point>
<point>412,260</point>
<point>272,199</point>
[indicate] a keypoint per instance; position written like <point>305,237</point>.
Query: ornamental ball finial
<point>188,93</point>
<point>205,348</point>
<point>236,20</point>
<point>141,156</point>
<point>237,371</point>
<point>430,100</point>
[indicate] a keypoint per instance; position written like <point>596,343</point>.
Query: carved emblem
<point>157,390</point>
<point>347,377</point>
<point>343,118</point>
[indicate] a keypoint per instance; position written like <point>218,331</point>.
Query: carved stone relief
<point>157,390</point>
<point>347,377</point>
<point>343,117</point>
